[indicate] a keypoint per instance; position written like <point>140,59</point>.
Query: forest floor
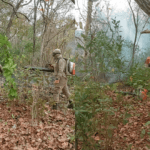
<point>134,133</point>
<point>53,132</point>
<point>19,131</point>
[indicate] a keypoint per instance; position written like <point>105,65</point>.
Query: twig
<point>79,39</point>
<point>12,7</point>
<point>26,3</point>
<point>24,16</point>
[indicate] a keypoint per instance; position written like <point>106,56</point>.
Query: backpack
<point>70,67</point>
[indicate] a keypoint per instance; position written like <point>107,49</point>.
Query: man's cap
<point>57,51</point>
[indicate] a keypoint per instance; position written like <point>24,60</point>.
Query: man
<point>60,78</point>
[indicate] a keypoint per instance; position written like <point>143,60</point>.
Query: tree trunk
<point>87,28</point>
<point>136,31</point>
<point>12,17</point>
<point>34,27</point>
<point>144,5</point>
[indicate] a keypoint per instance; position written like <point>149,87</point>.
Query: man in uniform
<point>60,78</point>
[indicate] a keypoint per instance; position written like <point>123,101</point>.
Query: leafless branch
<point>73,1</point>
<point>13,35</point>
<point>79,39</point>
<point>63,29</point>
<point>136,28</point>
<point>26,3</point>
<point>80,12</point>
<point>12,7</point>
<point>24,16</point>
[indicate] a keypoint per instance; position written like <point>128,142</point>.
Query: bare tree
<point>55,26</point>
<point>34,26</point>
<point>88,27</point>
<point>14,13</point>
<point>136,20</point>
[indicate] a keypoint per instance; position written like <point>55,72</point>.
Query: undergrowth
<point>91,102</point>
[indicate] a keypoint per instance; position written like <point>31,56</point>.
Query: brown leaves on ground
<point>52,132</point>
<point>134,132</point>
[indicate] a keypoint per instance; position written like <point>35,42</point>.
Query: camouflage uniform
<point>59,72</point>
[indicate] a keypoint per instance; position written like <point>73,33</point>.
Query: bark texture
<point>144,5</point>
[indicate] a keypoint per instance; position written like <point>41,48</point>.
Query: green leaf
<point>127,115</point>
<point>83,35</point>
<point>148,133</point>
<point>98,110</point>
<point>111,127</point>
<point>111,113</point>
<point>13,116</point>
<point>72,138</point>
<point>147,123</point>
<point>129,147</point>
<point>109,132</point>
<point>148,146</point>
<point>125,121</point>
<point>142,133</point>
<point>80,46</point>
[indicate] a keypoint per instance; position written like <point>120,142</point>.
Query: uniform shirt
<point>60,68</point>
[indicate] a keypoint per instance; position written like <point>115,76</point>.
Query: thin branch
<point>12,7</point>
<point>79,39</point>
<point>142,29</point>
<point>73,1</point>
<point>13,35</point>
<point>60,31</point>
<point>26,3</point>
<point>24,16</point>
<point>136,30</point>
<point>80,12</point>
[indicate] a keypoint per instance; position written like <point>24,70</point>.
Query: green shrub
<point>90,102</point>
<point>8,67</point>
<point>139,78</point>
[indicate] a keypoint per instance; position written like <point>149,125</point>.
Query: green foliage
<point>29,47</point>
<point>138,77</point>
<point>147,123</point>
<point>8,68</point>
<point>4,42</point>
<point>104,52</point>
<point>90,102</point>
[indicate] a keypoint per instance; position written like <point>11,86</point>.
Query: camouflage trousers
<point>61,87</point>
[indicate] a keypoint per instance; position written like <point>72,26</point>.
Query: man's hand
<point>56,81</point>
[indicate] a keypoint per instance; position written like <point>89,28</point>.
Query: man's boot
<point>70,105</point>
